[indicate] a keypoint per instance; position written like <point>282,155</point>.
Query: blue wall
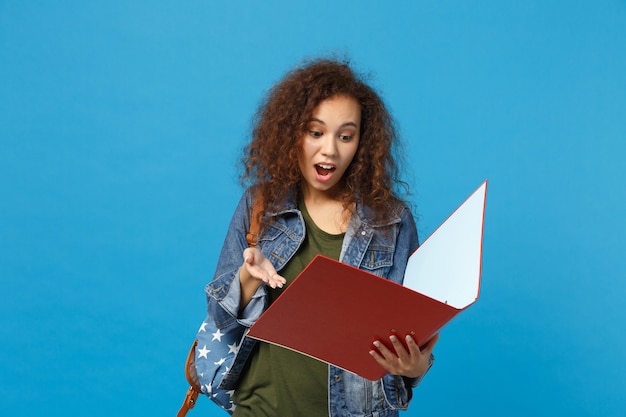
<point>121,124</point>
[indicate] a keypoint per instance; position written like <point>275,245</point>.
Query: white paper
<point>447,265</point>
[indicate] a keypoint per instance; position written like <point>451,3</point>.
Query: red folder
<point>333,312</point>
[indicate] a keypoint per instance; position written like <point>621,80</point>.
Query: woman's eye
<point>315,133</point>
<point>345,138</point>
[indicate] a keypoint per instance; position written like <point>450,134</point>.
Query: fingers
<point>275,280</point>
<point>401,353</point>
<point>386,358</point>
<point>378,358</point>
<point>248,256</point>
<point>408,360</point>
<point>383,351</point>
<point>271,279</point>
<point>261,268</point>
<point>414,349</point>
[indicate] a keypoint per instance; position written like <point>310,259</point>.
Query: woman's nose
<point>329,146</point>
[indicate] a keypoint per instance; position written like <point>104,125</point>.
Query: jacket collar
<point>365,214</point>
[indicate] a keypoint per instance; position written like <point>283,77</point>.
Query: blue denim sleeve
<point>224,292</point>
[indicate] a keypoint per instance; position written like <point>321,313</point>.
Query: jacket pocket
<point>378,260</point>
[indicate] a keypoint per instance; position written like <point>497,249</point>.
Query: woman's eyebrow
<point>346,124</point>
<point>315,119</point>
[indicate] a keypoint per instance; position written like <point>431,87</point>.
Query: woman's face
<point>330,142</point>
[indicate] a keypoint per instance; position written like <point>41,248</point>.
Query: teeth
<point>325,166</point>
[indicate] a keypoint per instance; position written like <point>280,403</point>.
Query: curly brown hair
<point>271,158</point>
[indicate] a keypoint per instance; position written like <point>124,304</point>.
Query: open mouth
<point>324,169</point>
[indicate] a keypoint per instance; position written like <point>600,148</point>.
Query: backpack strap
<point>255,222</point>
<point>192,378</point>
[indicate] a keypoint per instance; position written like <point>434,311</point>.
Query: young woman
<point>321,165</point>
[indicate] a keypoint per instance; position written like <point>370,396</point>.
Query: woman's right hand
<point>256,266</point>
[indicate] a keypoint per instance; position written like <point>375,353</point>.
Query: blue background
<point>121,126</point>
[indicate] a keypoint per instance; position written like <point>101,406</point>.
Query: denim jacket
<point>381,248</point>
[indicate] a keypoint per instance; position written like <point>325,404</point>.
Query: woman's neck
<point>327,212</point>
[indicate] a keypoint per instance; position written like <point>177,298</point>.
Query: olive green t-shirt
<point>279,382</point>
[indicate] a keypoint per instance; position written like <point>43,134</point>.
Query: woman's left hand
<point>412,363</point>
